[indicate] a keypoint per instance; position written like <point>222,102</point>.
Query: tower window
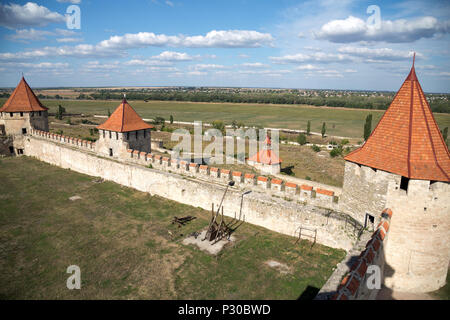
<point>137,134</point>
<point>21,114</point>
<point>103,131</point>
<point>11,149</point>
<point>128,136</point>
<point>145,131</point>
<point>369,220</point>
<point>110,134</point>
<point>24,130</point>
<point>117,136</point>
<point>110,152</point>
<point>11,114</point>
<point>40,113</point>
<point>404,183</point>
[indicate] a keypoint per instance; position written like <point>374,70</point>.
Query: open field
<point>340,122</point>
<point>119,238</point>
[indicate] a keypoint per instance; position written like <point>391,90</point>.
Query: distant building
<point>266,160</point>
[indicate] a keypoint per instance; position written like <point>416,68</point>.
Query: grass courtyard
<point>126,247</point>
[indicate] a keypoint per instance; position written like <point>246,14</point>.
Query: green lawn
<point>119,238</point>
<point>340,122</point>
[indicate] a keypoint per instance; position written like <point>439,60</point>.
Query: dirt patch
<point>281,267</point>
<point>207,245</point>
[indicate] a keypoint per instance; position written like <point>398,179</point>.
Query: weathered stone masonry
<point>275,213</point>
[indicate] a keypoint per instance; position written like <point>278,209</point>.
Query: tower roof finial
<point>414,59</point>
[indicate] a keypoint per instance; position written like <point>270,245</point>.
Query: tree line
<point>348,101</point>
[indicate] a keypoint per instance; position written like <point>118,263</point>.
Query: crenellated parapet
<point>360,283</point>
<point>273,186</point>
<point>71,141</point>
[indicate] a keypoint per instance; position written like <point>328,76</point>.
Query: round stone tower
<point>405,165</point>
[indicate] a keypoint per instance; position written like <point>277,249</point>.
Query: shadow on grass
<point>309,294</point>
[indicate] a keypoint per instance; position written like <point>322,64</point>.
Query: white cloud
<point>149,62</point>
<point>30,14</point>
<point>35,66</point>
<point>30,34</point>
<point>307,67</point>
<point>169,3</point>
<point>378,54</point>
<point>355,29</point>
<point>173,56</point>
<point>319,57</point>
<point>166,58</point>
<point>197,73</point>
<point>254,65</point>
<point>213,39</point>
<point>70,1</point>
<point>116,45</point>
<point>69,40</point>
<point>208,66</point>
<point>37,35</point>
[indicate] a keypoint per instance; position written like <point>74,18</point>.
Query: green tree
<point>171,119</point>
<point>324,129</point>
<point>368,127</point>
<point>219,125</point>
<point>234,124</point>
<point>59,113</point>
<point>445,133</point>
<point>109,113</point>
<point>301,139</point>
<point>308,128</point>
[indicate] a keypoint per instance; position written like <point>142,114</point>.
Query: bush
<point>344,142</point>
<point>301,139</point>
<point>334,153</point>
<point>315,148</point>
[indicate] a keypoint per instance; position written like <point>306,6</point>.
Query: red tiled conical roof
<point>407,140</point>
<point>266,155</point>
<point>22,99</point>
<point>124,119</point>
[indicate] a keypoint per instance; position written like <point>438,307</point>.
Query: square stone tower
<point>123,130</point>
<point>405,165</point>
<point>23,111</point>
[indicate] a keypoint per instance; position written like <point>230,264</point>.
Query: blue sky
<point>289,44</point>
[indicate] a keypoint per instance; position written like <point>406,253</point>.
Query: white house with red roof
<point>266,160</point>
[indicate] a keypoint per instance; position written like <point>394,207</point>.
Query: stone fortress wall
<point>276,205</point>
<point>418,260</point>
